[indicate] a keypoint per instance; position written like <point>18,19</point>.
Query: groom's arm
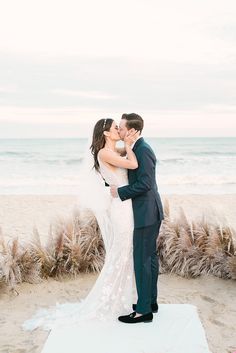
<point>145,176</point>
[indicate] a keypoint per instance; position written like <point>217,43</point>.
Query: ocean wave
<point>72,161</point>
<point>15,154</point>
<point>200,159</point>
<point>53,166</point>
<point>172,160</point>
<point>187,179</point>
<point>213,153</point>
<point>44,161</point>
<point>73,179</point>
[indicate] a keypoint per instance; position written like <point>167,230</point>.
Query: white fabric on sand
<point>175,329</point>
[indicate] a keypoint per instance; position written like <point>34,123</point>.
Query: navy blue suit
<point>148,214</point>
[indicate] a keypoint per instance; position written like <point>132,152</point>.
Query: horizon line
<point>85,137</point>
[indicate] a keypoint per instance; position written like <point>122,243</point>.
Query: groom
<point>148,214</point>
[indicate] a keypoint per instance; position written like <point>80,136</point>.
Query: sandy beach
<point>215,298</point>
<point>21,213</point>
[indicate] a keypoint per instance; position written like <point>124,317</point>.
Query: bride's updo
<point>98,141</point>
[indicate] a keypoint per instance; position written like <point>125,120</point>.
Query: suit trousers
<point>146,266</point>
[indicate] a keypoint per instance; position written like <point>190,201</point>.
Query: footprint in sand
<point>217,322</point>
<point>217,306</point>
<point>11,349</point>
<point>208,299</point>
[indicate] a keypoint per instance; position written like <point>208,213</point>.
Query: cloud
<point>114,83</point>
<point>8,89</point>
<point>84,94</point>
<point>39,115</point>
<point>77,122</point>
<point>186,30</point>
<point>61,62</point>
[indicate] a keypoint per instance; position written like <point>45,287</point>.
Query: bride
<point>113,289</point>
<point>112,293</point>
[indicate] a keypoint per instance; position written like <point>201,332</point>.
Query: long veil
<point>92,193</point>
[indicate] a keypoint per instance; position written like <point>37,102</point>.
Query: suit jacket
<point>142,188</point>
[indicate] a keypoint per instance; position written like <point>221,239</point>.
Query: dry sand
<point>19,214</point>
<point>215,298</point>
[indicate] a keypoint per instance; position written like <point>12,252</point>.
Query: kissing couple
<point>129,225</point>
<point>134,218</point>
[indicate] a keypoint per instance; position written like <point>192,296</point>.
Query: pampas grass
<point>78,246</point>
<point>75,245</point>
<point>190,249</point>
<point>17,263</point>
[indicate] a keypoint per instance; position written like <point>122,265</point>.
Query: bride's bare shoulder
<point>104,154</point>
<point>106,151</point>
<point>107,155</point>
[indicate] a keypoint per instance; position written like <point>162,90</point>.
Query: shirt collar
<point>132,146</point>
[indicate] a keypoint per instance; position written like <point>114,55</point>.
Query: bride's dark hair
<point>98,141</point>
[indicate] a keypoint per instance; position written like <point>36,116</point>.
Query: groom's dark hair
<point>133,121</point>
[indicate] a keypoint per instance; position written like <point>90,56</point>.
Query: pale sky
<point>65,64</point>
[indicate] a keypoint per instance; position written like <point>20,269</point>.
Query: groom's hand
<point>113,190</point>
<point>131,136</point>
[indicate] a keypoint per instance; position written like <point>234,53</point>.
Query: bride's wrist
<point>127,145</point>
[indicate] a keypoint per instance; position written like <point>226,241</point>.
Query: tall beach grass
<point>75,245</point>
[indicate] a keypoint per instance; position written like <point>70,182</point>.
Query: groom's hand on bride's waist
<point>113,190</point>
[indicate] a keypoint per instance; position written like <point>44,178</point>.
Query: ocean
<point>52,166</point>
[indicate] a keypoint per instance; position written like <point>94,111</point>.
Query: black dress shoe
<point>132,319</point>
<point>153,306</point>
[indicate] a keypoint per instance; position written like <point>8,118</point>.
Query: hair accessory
<point>104,124</point>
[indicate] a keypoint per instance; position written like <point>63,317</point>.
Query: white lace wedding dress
<point>112,293</point>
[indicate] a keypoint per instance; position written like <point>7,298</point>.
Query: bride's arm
<point>110,157</point>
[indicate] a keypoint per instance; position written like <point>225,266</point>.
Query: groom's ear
<point>132,130</point>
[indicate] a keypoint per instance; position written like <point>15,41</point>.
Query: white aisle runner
<point>175,329</point>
